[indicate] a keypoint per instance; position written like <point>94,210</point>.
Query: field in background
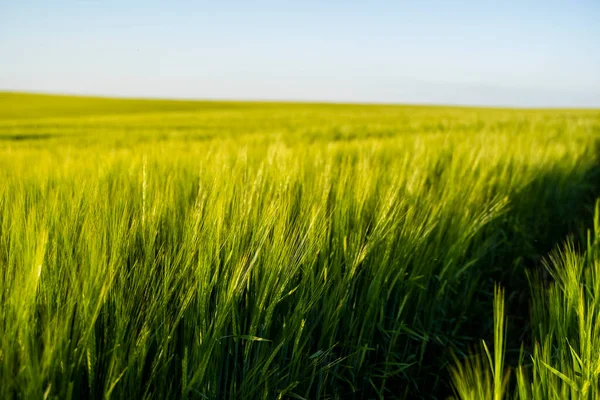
<point>178,249</point>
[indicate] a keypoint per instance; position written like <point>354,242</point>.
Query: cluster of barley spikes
<point>198,250</point>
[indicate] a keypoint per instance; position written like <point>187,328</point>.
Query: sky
<point>510,53</point>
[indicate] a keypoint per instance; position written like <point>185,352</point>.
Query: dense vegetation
<point>164,249</point>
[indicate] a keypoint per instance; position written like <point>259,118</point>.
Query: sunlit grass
<point>565,362</point>
<point>231,250</point>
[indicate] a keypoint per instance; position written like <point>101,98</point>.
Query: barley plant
<point>565,321</point>
<point>222,250</point>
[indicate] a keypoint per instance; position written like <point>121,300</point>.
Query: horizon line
<point>288,101</point>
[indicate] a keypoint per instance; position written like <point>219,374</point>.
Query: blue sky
<point>515,53</point>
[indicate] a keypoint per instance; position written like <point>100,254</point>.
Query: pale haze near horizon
<point>523,54</point>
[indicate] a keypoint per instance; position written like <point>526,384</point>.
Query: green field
<point>222,250</point>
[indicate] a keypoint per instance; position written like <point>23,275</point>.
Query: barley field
<point>154,249</point>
